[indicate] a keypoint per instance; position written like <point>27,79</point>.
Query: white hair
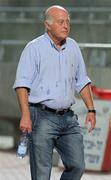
<point>48,17</point>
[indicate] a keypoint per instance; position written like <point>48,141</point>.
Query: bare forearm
<point>22,95</point>
<point>25,122</point>
<point>86,95</point>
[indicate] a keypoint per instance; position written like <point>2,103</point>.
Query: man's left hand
<point>90,119</point>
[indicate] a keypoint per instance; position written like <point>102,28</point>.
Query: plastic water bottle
<point>23,146</point>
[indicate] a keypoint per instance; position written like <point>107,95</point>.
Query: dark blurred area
<point>65,3</point>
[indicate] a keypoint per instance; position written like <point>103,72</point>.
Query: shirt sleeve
<point>26,70</point>
<point>81,75</point>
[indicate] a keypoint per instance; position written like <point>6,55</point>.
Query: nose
<point>65,24</point>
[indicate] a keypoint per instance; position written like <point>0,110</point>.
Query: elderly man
<point>50,70</point>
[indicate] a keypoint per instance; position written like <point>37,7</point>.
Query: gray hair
<point>48,17</point>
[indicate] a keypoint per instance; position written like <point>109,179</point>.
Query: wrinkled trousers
<point>62,132</point>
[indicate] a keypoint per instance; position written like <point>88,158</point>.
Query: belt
<point>57,111</point>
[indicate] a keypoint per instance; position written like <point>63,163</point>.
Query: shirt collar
<point>53,44</point>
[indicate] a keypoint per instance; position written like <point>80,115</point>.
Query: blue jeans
<point>61,132</point>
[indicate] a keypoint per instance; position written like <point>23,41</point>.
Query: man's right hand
<point>26,124</point>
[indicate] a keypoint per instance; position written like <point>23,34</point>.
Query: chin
<point>63,37</point>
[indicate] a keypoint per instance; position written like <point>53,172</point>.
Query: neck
<point>57,42</point>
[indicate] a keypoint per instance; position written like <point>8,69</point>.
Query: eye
<point>60,22</point>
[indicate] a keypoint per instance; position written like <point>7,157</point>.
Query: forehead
<point>59,14</point>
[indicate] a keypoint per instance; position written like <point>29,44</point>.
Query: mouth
<point>65,32</point>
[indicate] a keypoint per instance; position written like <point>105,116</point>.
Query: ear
<point>47,25</point>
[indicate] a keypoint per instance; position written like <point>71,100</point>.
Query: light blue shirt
<point>52,75</point>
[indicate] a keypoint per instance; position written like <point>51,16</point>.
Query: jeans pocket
<point>33,114</point>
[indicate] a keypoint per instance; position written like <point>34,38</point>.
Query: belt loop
<point>43,107</point>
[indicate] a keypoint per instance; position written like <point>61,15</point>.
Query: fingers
<point>92,126</point>
<point>90,123</point>
<point>25,129</point>
<point>89,126</point>
<point>25,126</point>
<point>90,129</point>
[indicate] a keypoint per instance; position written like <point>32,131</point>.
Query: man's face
<point>60,27</point>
